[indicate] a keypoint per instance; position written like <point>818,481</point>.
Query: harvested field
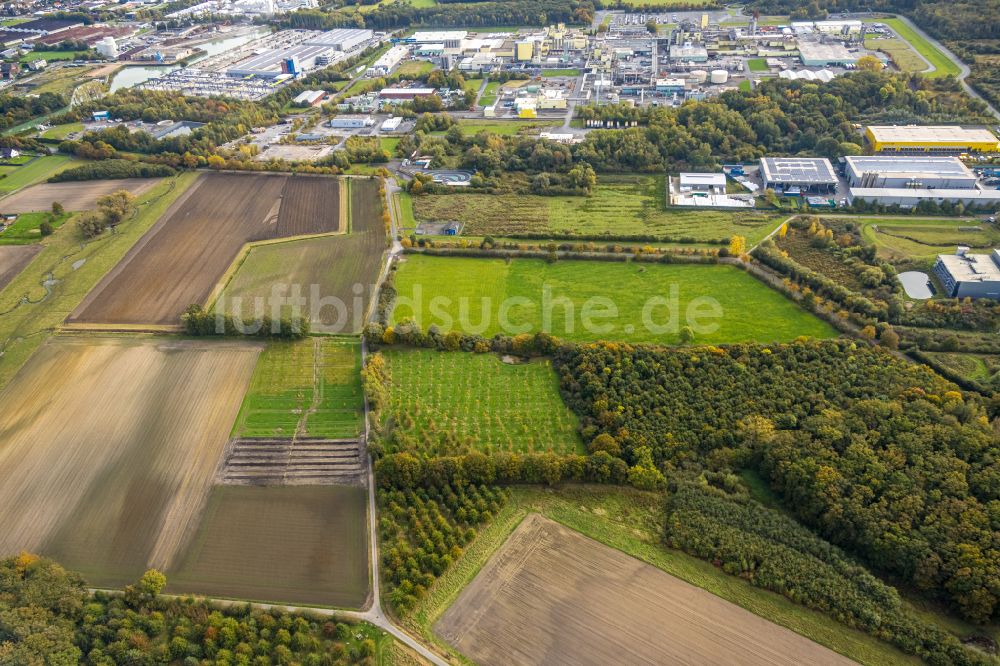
<point>310,206</point>
<point>551,595</point>
<point>182,258</point>
<point>109,448</point>
<point>77,195</point>
<point>335,274</point>
<point>305,545</point>
<point>13,259</point>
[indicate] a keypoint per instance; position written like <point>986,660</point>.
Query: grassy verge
<point>943,65</point>
<point>26,229</point>
<point>37,301</point>
<point>631,521</point>
<point>36,171</point>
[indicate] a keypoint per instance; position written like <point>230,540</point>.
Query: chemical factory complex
<point>543,74</point>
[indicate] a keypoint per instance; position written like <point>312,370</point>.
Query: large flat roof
<point>816,170</point>
<point>972,267</point>
<point>715,179</point>
<point>422,36</point>
<point>931,133</point>
<point>971,194</point>
<point>916,166</point>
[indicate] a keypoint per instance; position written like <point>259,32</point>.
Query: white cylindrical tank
<point>108,48</point>
<point>699,76</point>
<point>719,76</point>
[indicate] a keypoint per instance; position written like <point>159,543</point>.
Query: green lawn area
<point>560,72</point>
<point>978,367</point>
<point>48,55</point>
<point>389,143</point>
<point>472,85</point>
<point>312,387</point>
<point>757,65</point>
<point>25,231</point>
<point>621,206</point>
<point>745,85</point>
<point>924,239</point>
<point>632,522</point>
<point>36,171</point>
<point>685,4</point>
<point>487,100</point>
<point>404,212</point>
<point>445,403</point>
<point>62,131</point>
<point>414,68</point>
<point>596,300</point>
<point>943,65</point>
<point>904,57</point>
<point>65,271</point>
<point>503,127</point>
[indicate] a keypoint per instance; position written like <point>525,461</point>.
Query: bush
<point>106,169</point>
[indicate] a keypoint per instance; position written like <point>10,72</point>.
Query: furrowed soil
<point>182,258</point>
<point>551,595</point>
<point>13,259</point>
<point>334,274</point>
<point>305,545</point>
<point>310,206</point>
<point>109,447</point>
<point>79,195</point>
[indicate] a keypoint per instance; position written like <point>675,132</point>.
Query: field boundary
<point>245,251</point>
<point>144,240</point>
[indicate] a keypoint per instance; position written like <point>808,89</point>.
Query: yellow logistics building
<point>931,139</point>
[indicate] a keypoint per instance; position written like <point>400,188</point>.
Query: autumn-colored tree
<point>737,245</point>
<point>869,63</point>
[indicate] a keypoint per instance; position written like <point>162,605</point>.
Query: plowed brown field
<point>180,260</point>
<point>109,447</point>
<point>299,544</point>
<point>81,195</point>
<point>552,596</point>
<point>13,259</point>
<point>310,205</point>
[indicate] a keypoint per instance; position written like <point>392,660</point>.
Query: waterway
<point>136,74</point>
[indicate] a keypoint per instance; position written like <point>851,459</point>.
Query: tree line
<point>881,457</point>
<point>48,617</point>
<point>712,516</point>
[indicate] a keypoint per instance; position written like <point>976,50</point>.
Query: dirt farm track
<point>109,448</point>
<point>552,596</point>
<point>74,196</point>
<point>180,260</point>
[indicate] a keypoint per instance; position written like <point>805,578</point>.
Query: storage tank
<point>719,76</point>
<point>699,76</point>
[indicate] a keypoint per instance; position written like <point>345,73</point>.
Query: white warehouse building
<point>341,39</point>
<point>913,172</point>
<point>907,181</point>
<point>388,61</point>
<point>351,122</point>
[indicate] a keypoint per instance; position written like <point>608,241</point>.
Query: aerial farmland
<point>551,595</point>
<point>646,334</point>
<point>176,264</point>
<point>150,417</point>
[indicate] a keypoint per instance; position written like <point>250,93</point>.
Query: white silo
<point>719,76</point>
